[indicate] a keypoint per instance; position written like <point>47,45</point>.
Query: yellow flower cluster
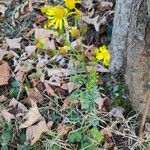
<point>57,15</point>
<point>103,55</point>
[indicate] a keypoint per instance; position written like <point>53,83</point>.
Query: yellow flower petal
<point>57,24</point>
<point>56,15</point>
<point>60,24</point>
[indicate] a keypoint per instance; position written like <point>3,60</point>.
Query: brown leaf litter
<point>4,73</point>
<point>35,125</point>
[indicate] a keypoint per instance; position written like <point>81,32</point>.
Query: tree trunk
<point>130,48</point>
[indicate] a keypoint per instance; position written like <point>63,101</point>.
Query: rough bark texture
<point>130,48</point>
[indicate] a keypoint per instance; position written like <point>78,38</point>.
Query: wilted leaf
<point>33,133</point>
<point>89,53</point>
<point>77,45</point>
<point>13,43</point>
<point>4,73</point>
<point>107,132</point>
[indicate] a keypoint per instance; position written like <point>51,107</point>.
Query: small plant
<point>6,136</point>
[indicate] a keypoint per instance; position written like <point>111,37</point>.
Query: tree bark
<point>130,48</point>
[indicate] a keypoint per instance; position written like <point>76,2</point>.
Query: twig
<point>144,115</point>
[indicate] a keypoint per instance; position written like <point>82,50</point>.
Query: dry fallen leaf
<point>100,102</point>
<point>87,4</point>
<point>45,35</point>
<point>65,105</point>
<point>49,90</point>
<point>105,6</point>
<point>107,132</point>
<point>49,124</point>
<point>32,116</point>
<point>15,109</point>
<point>117,112</point>
<point>33,133</point>
<point>30,50</point>
<point>89,53</point>
<point>35,95</point>
<point>7,116</point>
<point>13,43</point>
<point>2,98</point>
<point>3,8</point>
<point>52,72</point>
<point>34,123</point>
<point>94,21</point>
<point>14,103</point>
<point>64,129</point>
<point>100,68</point>
<point>77,45</point>
<point>7,54</point>
<point>72,86</point>
<point>4,73</point>
<point>30,5</point>
<point>22,70</point>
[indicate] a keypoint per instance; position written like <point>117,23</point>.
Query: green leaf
<point>56,147</point>
<point>96,135</point>
<point>22,137</point>
<point>75,136</point>
<point>4,147</point>
<point>88,146</point>
<point>15,87</point>
<point>25,147</point>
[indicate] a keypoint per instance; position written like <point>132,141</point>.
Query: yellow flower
<point>56,16</point>
<point>74,32</point>
<point>103,55</point>
<point>63,50</point>
<point>40,43</point>
<point>70,4</point>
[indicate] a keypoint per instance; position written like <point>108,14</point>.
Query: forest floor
<point>56,90</point>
